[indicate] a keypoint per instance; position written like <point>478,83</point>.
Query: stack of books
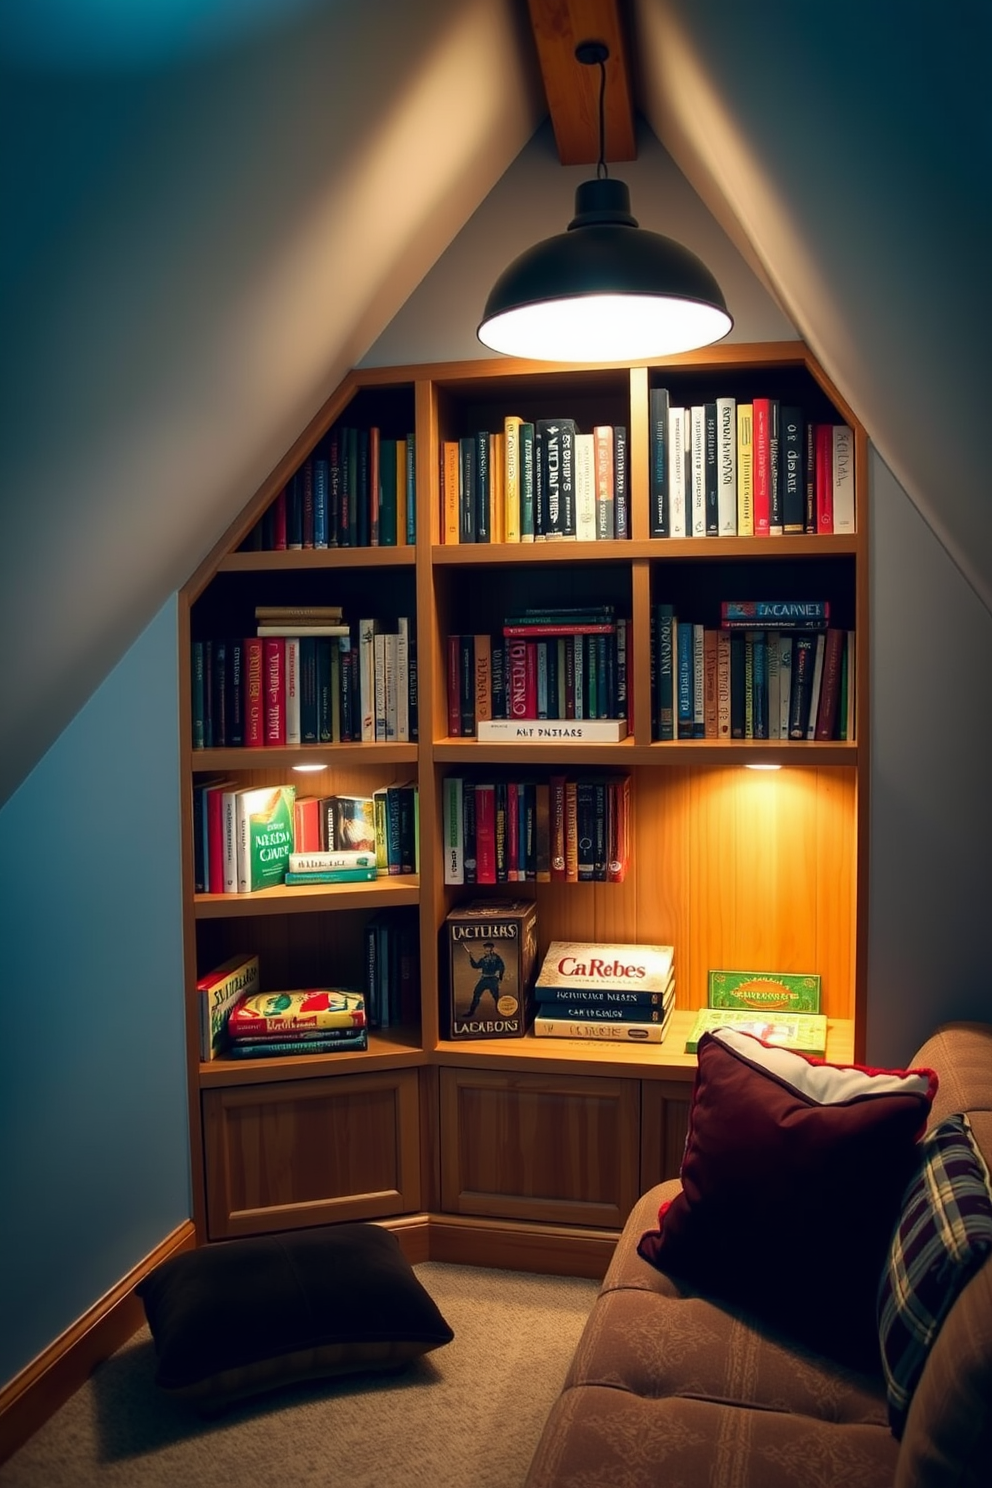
<point>316,1020</point>
<point>780,1008</point>
<point>624,993</point>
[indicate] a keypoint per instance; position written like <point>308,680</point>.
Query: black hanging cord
<point>595,53</point>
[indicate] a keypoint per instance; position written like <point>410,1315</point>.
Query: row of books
<point>569,828</point>
<point>356,490</point>
<point>248,838</point>
<point>392,967</point>
<point>730,468</point>
<point>540,668</point>
<point>620,993</point>
<point>750,683</point>
<point>330,684</point>
<point>537,481</point>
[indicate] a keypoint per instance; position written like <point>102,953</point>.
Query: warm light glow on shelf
<point>307,769</point>
<point>762,765</point>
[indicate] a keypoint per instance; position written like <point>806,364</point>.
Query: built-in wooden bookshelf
<point>525,1151</point>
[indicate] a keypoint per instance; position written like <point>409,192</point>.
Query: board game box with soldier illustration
<point>492,955</point>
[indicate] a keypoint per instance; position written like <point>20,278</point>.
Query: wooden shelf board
<point>387,1050</point>
<point>626,754</point>
<point>665,1061</point>
<point>305,898</point>
<point>810,545</point>
<point>302,559</point>
<point>287,756</point>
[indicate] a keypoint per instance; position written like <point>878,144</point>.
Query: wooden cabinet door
<point>555,1149</point>
<point>664,1122</point>
<point>281,1156</point>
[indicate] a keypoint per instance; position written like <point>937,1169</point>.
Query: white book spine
<point>585,488</point>
<point>726,466</point>
<point>389,655</point>
<point>454,845</point>
<point>292,690</point>
<point>843,478</point>
<point>230,841</point>
<point>676,472</point>
<point>697,426</point>
<point>366,678</point>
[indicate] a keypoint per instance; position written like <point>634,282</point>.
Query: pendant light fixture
<point>606,290</point>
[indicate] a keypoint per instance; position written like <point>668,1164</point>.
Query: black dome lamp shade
<point>606,290</point>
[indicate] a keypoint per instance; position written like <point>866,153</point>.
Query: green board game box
<point>806,1033</point>
<point>765,991</point>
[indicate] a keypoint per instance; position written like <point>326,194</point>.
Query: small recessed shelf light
<point>306,769</point>
<point>762,765</point>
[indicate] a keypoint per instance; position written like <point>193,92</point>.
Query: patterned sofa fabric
<point>669,1387</point>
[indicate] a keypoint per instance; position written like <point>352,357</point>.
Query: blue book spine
<point>658,403</point>
<point>321,503</point>
<point>621,487</point>
<point>685,680</point>
<point>411,488</point>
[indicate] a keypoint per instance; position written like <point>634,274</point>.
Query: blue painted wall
<point>94,1166</point>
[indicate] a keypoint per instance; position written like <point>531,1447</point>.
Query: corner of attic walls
<point>535,199</point>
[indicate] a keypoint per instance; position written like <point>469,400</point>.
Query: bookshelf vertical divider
<point>465,1142</point>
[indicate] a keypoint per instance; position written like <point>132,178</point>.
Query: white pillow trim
<point>825,1084</point>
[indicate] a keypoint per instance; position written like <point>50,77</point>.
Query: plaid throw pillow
<point>943,1235</point>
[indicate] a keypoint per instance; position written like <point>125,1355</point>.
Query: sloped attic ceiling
<point>217,208</point>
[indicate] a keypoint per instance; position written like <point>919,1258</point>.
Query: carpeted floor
<point>467,1416</point>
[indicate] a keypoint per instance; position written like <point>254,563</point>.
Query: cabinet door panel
<point>310,1152</point>
<point>664,1121</point>
<point>557,1149</point>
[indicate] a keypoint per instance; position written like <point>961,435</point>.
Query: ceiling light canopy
<point>606,290</point>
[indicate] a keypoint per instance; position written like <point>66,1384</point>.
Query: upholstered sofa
<point>670,1386</point>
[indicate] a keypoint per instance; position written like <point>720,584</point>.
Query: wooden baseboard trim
<point>35,1394</point>
<point>512,1246</point>
<point>413,1233</point>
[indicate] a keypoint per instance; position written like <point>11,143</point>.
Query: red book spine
<point>824,478</point>
<point>517,680</point>
<point>374,487</point>
<point>215,841</point>
<point>454,682</point>
<point>254,705</point>
<point>762,466</point>
<point>512,833</point>
<point>530,679</point>
<point>826,715</point>
<point>274,683</point>
<point>485,834</point>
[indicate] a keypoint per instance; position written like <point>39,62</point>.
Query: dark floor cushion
<point>236,1319</point>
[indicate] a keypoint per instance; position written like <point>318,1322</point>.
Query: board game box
<point>806,1033</point>
<point>492,951</point>
<point>765,991</point>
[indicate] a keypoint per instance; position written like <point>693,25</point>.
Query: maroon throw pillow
<point>792,1179</point>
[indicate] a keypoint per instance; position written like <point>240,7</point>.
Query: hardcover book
<point>264,835</point>
<point>620,973</point>
<point>217,993</point>
<point>492,951</point>
<point>765,991</point>
<point>276,1013</point>
<point>804,1032</point>
<point>589,1029</point>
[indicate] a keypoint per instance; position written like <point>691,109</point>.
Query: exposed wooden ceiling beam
<point>572,88</point>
